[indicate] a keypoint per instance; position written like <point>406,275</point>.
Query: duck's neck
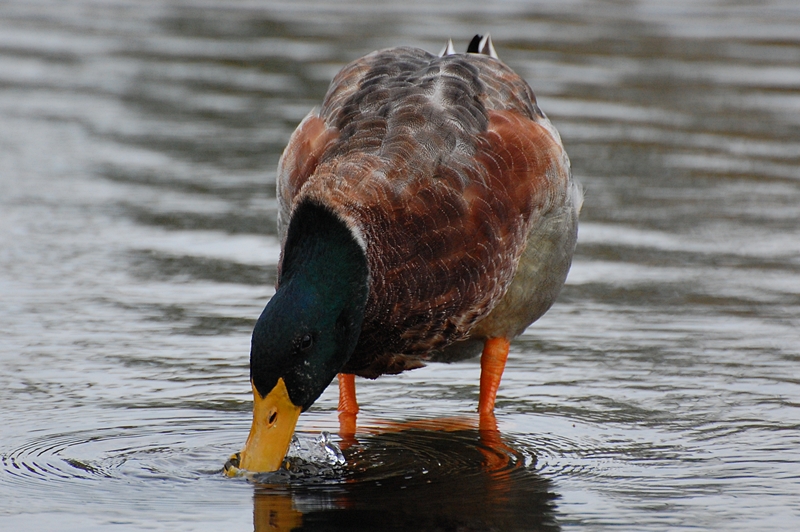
<point>322,255</point>
<point>322,292</point>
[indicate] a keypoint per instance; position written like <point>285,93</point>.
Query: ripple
<point>119,463</point>
<point>420,475</point>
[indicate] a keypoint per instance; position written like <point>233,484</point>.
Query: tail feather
<point>482,44</point>
<point>448,49</point>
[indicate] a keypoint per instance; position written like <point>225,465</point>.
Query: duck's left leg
<point>348,405</point>
<point>493,362</point>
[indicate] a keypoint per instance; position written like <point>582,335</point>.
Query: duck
<point>427,212</point>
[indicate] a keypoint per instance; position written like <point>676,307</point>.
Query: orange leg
<point>493,362</point>
<point>348,405</point>
<point>347,393</point>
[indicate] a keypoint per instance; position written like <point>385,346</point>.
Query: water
<point>137,246</point>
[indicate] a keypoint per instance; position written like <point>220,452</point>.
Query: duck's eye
<point>306,342</point>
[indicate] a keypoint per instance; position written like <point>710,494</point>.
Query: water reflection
<point>430,475</point>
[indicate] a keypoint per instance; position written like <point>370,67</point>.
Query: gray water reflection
<point>137,246</point>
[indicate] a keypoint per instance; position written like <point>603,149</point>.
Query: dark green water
<point>138,146</point>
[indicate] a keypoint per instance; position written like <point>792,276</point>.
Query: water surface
<point>137,246</point>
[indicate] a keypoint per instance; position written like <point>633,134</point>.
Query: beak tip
<point>231,467</point>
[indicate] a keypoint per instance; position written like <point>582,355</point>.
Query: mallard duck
<point>427,212</point>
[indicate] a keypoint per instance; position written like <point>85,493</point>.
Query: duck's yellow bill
<point>274,421</point>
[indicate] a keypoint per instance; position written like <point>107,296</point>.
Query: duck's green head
<point>307,331</point>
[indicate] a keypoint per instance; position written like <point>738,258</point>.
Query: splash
<point>322,450</point>
<point>307,458</point>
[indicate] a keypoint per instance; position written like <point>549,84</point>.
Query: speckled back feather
<point>441,167</point>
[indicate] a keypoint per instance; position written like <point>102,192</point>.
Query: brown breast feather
<point>440,167</point>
